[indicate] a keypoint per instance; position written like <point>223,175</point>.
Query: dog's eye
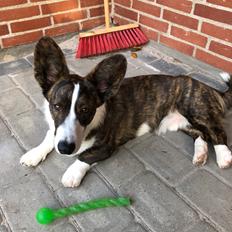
<point>57,107</point>
<point>84,110</point>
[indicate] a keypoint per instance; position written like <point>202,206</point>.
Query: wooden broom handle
<point>107,14</point>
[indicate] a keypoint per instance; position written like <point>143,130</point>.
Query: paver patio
<point>168,192</point>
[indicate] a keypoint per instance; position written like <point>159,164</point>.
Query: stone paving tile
<point>210,196</point>
<point>6,83</point>
<point>116,173</point>
<point>217,83</point>
<point>164,159</point>
<point>27,81</point>
<point>14,102</point>
<point>64,227</point>
<point>157,205</point>
<point>201,227</point>
<point>29,127</point>
<point>54,167</point>
<point>21,200</point>
<point>101,220</point>
<point>13,66</point>
<point>10,152</point>
<point>168,68</point>
<point>181,141</point>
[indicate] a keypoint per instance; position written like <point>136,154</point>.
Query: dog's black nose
<point>66,148</point>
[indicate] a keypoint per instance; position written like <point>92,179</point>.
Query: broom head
<point>91,44</point>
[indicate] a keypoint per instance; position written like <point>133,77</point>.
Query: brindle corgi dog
<point>91,116</point>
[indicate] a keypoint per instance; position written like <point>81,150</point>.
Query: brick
<point>99,11</point>
<point>13,66</point>
<point>37,0</point>
<point>180,46</point>
<point>153,23</point>
<point>30,24</point>
<point>91,23</point>
<point>4,30</point>
<point>213,60</point>
<point>221,49</point>
<point>210,196</point>
<point>217,32</point>
<point>154,203</point>
<point>22,39</point>
<point>189,36</point>
<point>182,5</point>
<point>123,2</point>
<point>164,159</point>
<point>4,3</point>
<point>226,3</point>
<point>119,169</point>
<point>146,8</point>
<point>70,16</point>
<point>180,19</point>
<point>59,6</point>
<point>87,3</point>
<point>213,13</point>
<point>150,33</point>
<point>74,27</point>
<point>126,13</point>
<point>19,13</point>
<point>93,187</point>
<point>24,198</point>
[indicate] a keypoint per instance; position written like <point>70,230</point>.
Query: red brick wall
<point>24,21</point>
<point>199,28</point>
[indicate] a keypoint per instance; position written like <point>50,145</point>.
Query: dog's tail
<point>228,94</point>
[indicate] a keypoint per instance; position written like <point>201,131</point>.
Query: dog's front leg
<point>39,153</point>
<point>76,172</point>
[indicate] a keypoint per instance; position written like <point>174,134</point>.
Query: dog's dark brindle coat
<point>129,102</point>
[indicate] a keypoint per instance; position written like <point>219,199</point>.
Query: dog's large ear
<point>49,63</point>
<point>108,75</point>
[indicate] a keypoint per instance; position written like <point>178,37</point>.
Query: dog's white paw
<point>223,155</point>
<point>33,157</point>
<point>200,152</point>
<point>74,174</point>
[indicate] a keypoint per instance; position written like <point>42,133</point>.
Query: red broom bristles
<point>103,43</point>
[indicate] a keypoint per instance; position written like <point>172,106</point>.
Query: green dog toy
<point>47,215</point>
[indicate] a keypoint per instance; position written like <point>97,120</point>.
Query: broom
<point>110,38</point>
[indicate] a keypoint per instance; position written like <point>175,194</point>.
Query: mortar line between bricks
<point>114,191</point>
<point>173,189</point>
<point>61,203</point>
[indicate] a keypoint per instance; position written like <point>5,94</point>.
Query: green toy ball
<point>45,216</point>
<point>48,215</point>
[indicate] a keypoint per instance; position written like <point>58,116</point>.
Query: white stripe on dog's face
<point>70,131</point>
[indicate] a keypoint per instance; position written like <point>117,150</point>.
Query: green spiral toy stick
<point>48,215</point>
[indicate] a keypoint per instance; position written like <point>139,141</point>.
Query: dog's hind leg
<point>39,153</point>
<point>223,153</point>
<point>200,146</point>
